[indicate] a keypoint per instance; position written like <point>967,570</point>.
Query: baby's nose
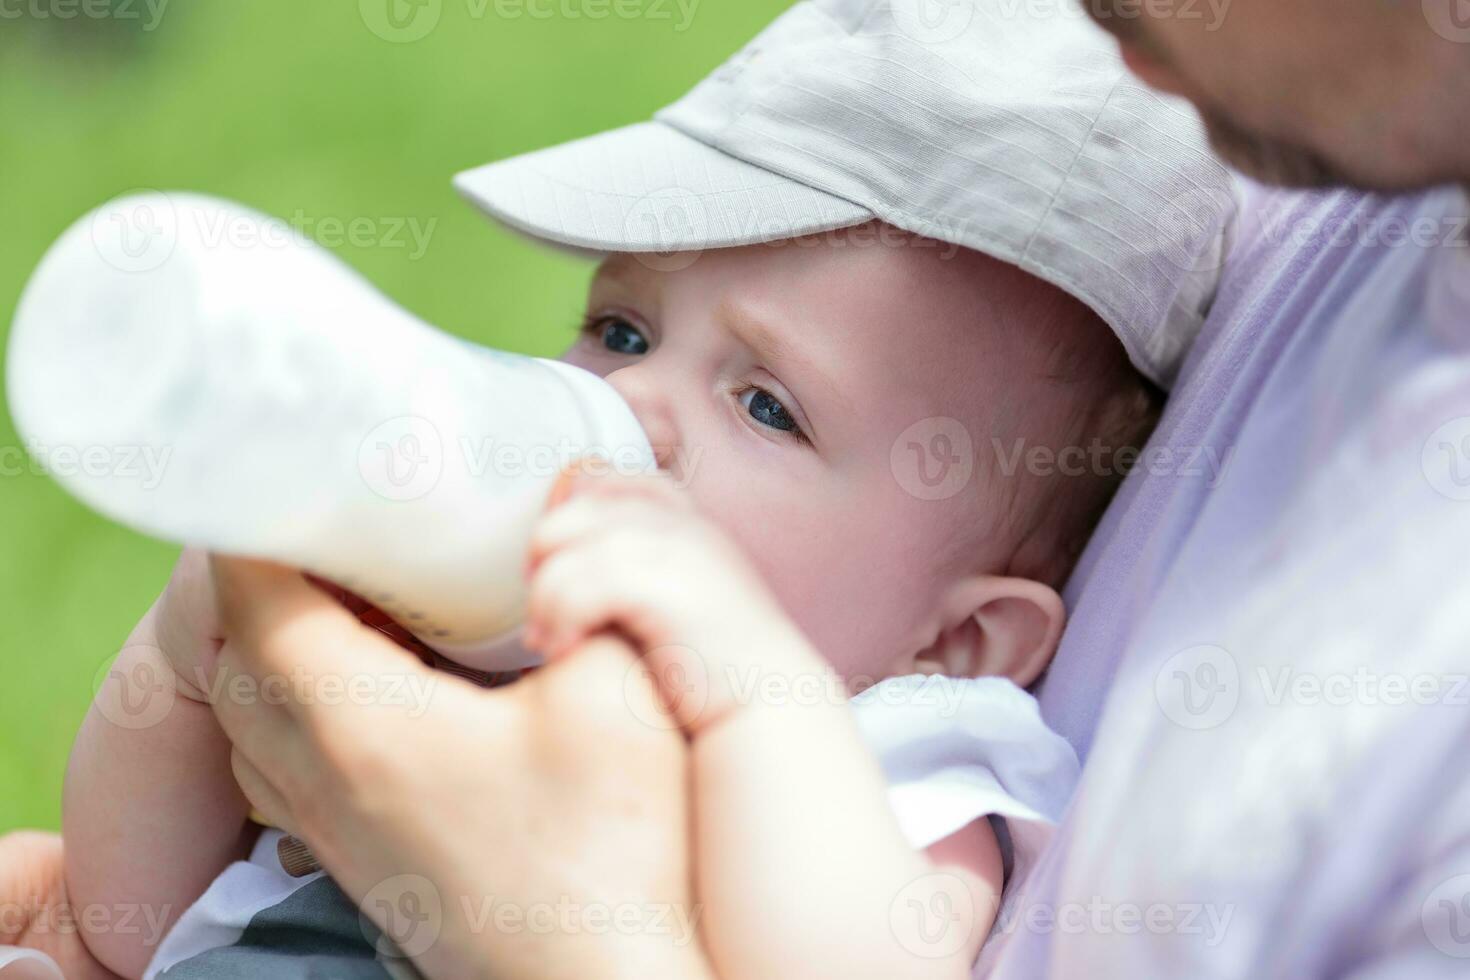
<point>654,410</point>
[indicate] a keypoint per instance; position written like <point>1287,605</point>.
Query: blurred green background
<point>318,109</point>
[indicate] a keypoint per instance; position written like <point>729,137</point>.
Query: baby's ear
<point>996,626</point>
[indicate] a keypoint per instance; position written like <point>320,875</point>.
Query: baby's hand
<point>632,554</point>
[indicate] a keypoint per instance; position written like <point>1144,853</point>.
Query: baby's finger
<point>579,592</point>
<point>594,475</point>
<point>586,518</point>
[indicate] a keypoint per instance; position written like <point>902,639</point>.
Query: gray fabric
<point>315,934</point>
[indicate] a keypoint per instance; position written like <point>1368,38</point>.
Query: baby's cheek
<point>851,584</point>
<point>846,560</point>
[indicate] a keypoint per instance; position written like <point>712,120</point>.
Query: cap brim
<point>650,188</point>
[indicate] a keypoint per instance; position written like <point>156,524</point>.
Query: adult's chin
<point>1272,161</point>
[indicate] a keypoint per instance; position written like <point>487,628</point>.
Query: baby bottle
<point>208,376</point>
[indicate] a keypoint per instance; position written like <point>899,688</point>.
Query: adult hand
<point>489,814</point>
<point>34,910</point>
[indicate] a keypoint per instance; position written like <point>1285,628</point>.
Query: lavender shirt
<point>1266,667</point>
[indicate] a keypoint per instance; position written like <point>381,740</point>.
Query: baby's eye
<point>618,335</point>
<point>765,409</point>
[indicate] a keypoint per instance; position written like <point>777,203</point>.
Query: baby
<point>864,433</point>
<point>782,387</point>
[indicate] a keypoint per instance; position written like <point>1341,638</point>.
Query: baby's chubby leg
<point>791,809</point>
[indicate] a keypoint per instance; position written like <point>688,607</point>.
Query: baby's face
<point>779,384</point>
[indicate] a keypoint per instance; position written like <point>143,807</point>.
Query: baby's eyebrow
<point>771,346</point>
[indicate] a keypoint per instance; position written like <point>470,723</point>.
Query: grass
<point>294,108</point>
